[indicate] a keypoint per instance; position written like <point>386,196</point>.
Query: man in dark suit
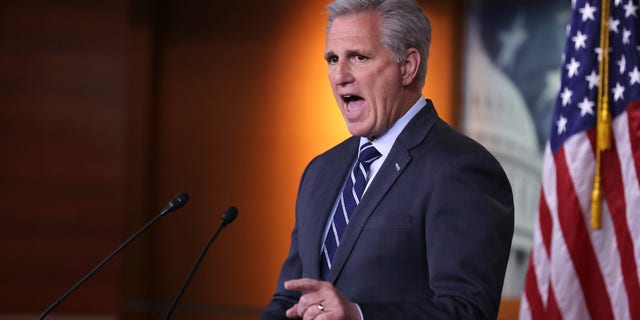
<point>407,219</point>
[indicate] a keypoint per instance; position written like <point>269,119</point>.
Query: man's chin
<point>358,130</point>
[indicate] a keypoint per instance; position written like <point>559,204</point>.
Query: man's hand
<point>320,300</point>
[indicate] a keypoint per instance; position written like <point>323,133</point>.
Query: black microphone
<point>176,203</point>
<point>227,217</point>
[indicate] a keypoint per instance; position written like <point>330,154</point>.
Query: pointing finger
<point>304,284</point>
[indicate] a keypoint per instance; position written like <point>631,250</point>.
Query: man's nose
<point>341,73</point>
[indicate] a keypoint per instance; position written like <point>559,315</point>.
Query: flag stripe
<point>542,262</point>
<point>633,113</point>
<point>579,245</point>
<point>563,278</point>
<point>553,312</point>
<point>631,173</point>
<point>614,187</point>
<point>533,295</point>
<point>545,223</point>
<point>603,239</point>
<point>525,311</point>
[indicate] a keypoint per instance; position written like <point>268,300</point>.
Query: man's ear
<point>409,67</point>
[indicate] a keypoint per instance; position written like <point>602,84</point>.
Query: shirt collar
<point>386,141</point>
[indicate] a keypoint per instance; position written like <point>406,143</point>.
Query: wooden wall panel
<point>62,72</point>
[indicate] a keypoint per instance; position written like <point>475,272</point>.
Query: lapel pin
<point>397,167</point>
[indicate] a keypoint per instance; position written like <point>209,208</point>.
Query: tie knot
<point>368,153</point>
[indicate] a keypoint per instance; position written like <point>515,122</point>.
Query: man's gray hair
<point>404,26</point>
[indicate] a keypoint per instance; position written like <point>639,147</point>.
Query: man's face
<point>365,79</point>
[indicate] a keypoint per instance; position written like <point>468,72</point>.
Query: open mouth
<point>353,107</point>
<point>347,98</point>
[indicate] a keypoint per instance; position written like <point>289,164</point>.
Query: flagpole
<point>603,139</point>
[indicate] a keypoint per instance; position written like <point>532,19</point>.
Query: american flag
<point>576,271</point>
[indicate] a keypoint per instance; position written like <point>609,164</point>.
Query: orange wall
<point>241,110</point>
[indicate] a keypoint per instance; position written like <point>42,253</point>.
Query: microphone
<point>176,203</point>
<point>227,217</point>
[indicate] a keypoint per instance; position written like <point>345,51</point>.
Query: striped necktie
<point>349,199</point>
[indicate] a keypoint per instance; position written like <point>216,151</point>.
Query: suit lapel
<point>321,203</point>
<point>395,164</point>
<point>378,188</point>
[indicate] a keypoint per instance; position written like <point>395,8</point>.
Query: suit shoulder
<point>333,159</point>
<point>346,147</point>
<point>453,142</point>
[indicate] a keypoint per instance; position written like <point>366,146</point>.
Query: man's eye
<point>332,59</point>
<point>361,58</point>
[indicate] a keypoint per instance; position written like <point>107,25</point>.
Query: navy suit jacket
<point>430,238</point>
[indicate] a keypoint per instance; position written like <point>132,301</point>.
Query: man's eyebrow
<point>354,52</point>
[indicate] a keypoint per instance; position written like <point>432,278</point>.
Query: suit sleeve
<point>468,231</point>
